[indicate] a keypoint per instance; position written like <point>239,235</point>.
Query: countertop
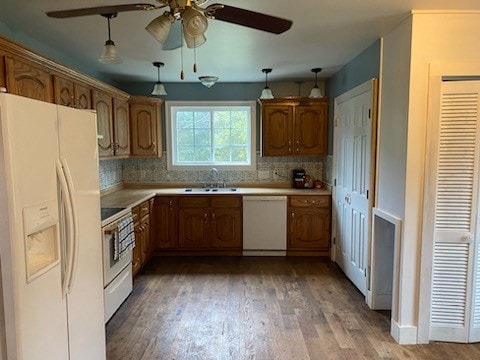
<point>130,197</point>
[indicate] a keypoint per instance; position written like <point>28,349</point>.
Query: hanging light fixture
<point>158,89</point>
<point>208,81</point>
<point>159,27</point>
<point>266,92</point>
<point>316,93</point>
<point>110,53</point>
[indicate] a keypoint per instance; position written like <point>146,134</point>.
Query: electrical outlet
<point>263,174</point>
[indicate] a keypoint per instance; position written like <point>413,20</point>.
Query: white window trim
<point>253,132</point>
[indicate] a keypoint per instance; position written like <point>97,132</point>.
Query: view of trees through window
<point>211,135</point>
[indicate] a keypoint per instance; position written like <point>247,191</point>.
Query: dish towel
<point>124,238</point>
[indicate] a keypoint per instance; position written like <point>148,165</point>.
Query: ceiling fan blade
<point>99,10</point>
<point>174,39</point>
<point>249,18</point>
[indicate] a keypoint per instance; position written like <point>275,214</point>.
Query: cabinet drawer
<point>136,214</point>
<point>144,209</point>
<point>310,201</point>
<point>194,202</point>
<point>224,201</point>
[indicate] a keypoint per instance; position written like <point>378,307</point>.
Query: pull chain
<point>182,74</point>
<point>194,56</point>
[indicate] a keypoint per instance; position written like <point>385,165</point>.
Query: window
<point>206,134</point>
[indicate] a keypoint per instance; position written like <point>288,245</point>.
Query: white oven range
<point>117,274</point>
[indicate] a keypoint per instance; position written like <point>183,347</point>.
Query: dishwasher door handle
<point>264,198</point>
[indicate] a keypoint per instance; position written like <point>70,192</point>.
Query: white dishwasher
<point>264,225</point>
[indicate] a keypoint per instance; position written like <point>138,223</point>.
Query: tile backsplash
<point>154,170</point>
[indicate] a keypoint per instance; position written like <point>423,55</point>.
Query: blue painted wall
<point>363,67</point>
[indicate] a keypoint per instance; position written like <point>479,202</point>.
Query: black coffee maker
<point>298,178</point>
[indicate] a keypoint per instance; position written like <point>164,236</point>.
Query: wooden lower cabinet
<point>309,223</point>
<point>210,222</point>
<point>143,247</point>
<point>165,222</point>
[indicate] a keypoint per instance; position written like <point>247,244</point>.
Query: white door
<point>79,155</point>
<point>354,113</point>
<point>35,311</point>
<point>452,213</point>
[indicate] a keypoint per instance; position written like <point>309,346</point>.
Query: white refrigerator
<point>50,232</point>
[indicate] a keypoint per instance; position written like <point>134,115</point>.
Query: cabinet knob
<point>293,215</point>
<point>213,217</point>
<point>205,217</point>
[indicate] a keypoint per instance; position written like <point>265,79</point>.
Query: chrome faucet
<point>214,174</point>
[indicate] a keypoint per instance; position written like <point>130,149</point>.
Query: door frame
<point>372,86</point>
<point>437,71</point>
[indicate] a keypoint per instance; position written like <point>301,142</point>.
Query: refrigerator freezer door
<point>35,312</point>
<point>79,157</point>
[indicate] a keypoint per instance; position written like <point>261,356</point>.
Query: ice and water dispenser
<point>41,240</point>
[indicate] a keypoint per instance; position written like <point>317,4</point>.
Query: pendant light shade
<point>208,81</point>
<point>266,92</point>
<point>315,93</point>
<point>158,88</point>
<point>110,53</point>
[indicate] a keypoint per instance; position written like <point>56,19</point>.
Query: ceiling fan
<point>191,16</point>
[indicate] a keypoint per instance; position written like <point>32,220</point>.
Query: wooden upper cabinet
<point>145,126</point>
<point>70,93</point>
<point>121,127</point>
<point>102,102</point>
<point>277,130</point>
<point>311,128</point>
<point>294,126</point>
<point>26,78</point>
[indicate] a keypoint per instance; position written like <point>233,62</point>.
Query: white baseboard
<point>404,335</point>
<point>264,253</point>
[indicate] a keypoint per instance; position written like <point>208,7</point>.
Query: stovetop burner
<point>107,212</point>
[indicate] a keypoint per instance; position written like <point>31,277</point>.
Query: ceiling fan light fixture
<point>159,27</point>
<point>266,92</point>
<point>208,81</point>
<point>194,22</point>
<point>110,54</point>
<point>158,88</point>
<point>194,41</point>
<point>315,93</point>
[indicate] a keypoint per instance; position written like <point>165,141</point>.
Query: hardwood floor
<point>255,308</point>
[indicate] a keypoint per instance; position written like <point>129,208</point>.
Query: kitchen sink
<point>211,190</point>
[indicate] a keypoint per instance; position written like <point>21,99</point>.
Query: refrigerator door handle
<point>66,205</point>
<point>75,238</point>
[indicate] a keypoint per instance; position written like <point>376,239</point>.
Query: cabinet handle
<point>298,150</point>
<point>293,215</point>
<point>154,146</point>
<point>213,217</point>
<point>205,217</point>
<point>170,203</point>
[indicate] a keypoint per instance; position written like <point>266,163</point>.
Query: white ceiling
<point>325,33</point>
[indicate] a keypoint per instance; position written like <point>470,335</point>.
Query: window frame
<point>209,104</point>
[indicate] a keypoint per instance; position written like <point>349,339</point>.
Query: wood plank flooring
<point>255,308</point>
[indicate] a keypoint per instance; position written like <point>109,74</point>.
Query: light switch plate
<point>263,174</point>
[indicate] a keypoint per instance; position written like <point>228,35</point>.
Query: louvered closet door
<point>455,303</point>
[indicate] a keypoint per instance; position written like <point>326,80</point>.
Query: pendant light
<point>208,81</point>
<point>110,53</point>
<point>158,89</point>
<point>316,93</point>
<point>266,92</point>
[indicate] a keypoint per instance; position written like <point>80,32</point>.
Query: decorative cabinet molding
<point>145,126</point>
<point>102,103</point>
<point>121,127</point>
<point>294,126</point>
<point>28,79</point>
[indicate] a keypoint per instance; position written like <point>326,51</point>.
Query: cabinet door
<point>194,228</point>
<point>83,96</point>
<point>102,102</point>
<point>145,238</point>
<point>311,130</point>
<point>226,228</point>
<point>143,127</point>
<point>165,224</point>
<point>121,127</point>
<point>28,79</point>
<point>309,229</point>
<point>277,130</point>
<point>64,91</point>
<point>137,250</point>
